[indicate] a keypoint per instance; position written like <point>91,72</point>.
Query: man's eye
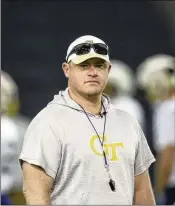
<point>84,65</point>
<point>100,66</point>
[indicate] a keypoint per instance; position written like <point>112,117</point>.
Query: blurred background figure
<point>13,126</point>
<point>121,89</point>
<point>156,75</point>
<point>11,93</point>
<point>9,144</point>
<point>9,139</point>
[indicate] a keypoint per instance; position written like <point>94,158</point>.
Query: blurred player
<point>9,155</point>
<point>156,75</point>
<point>12,111</point>
<point>121,88</point>
<point>11,141</point>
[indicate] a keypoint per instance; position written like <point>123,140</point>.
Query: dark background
<point>36,34</point>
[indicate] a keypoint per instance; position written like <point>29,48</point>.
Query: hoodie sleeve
<point>144,157</point>
<point>42,147</point>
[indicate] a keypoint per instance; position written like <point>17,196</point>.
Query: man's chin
<point>93,92</point>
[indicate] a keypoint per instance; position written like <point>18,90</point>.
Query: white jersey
<point>9,154</point>
<point>132,106</point>
<point>22,122</point>
<point>164,131</point>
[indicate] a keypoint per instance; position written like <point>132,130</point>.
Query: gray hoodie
<point>62,141</point>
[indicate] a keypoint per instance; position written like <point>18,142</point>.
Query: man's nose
<point>92,70</point>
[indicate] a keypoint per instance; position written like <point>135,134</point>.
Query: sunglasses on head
<point>85,48</point>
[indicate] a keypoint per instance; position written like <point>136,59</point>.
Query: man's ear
<point>109,68</point>
<point>66,68</point>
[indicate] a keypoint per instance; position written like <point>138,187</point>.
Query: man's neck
<point>91,104</point>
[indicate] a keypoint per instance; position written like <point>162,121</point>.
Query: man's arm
<point>143,193</point>
<point>36,185</point>
<point>164,167</point>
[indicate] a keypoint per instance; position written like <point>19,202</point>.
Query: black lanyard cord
<point>101,142</point>
<point>111,182</point>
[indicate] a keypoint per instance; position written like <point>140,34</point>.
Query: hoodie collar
<point>64,99</point>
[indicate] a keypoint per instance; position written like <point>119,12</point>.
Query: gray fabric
<point>61,140</point>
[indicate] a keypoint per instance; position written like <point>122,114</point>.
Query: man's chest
<point>81,139</point>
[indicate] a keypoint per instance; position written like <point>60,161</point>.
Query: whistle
<point>112,185</point>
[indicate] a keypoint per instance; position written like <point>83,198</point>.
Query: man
<point>156,75</point>
<point>121,88</point>
<point>80,149</point>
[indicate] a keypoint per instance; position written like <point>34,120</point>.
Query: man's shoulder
<point>47,117</point>
<point>122,115</point>
<point>47,113</point>
<point>118,111</point>
<point>42,118</point>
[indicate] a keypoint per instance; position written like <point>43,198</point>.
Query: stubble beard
<point>92,92</point>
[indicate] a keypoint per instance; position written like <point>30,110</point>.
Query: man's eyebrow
<point>99,62</point>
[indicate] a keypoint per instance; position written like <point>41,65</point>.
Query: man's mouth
<point>92,81</point>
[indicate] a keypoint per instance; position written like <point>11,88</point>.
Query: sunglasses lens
<point>83,49</point>
<point>101,49</point>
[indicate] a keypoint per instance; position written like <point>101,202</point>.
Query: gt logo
<point>109,148</point>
